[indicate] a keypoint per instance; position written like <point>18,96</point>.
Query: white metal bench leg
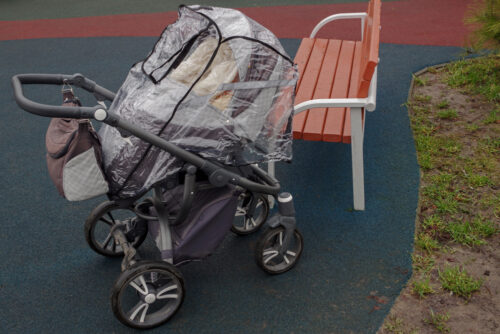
<point>358,183</point>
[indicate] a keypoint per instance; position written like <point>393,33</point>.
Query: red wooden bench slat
<point>370,47</point>
<point>334,123</point>
<point>353,90</point>
<point>308,84</point>
<point>302,56</point>
<point>313,129</point>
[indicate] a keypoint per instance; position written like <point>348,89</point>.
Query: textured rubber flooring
<point>51,282</point>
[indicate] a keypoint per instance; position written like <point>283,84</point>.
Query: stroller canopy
<point>216,83</point>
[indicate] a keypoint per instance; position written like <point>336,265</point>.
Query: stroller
<point>181,142</point>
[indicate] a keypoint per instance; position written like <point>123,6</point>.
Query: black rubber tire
<point>132,274</point>
<point>269,242</point>
<point>95,217</point>
<point>243,230</point>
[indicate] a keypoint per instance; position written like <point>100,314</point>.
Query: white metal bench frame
<point>356,106</point>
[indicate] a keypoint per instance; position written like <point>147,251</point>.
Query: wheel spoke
<point>289,252</point>
<point>140,307</point>
<point>270,257</point>
<point>162,295</point>
<point>240,211</point>
<point>111,216</point>
<point>106,241</point>
<point>269,251</point>
<point>280,237</point>
<point>286,259</point>
<point>142,281</point>
<point>105,220</point>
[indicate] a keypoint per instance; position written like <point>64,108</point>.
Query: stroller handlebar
<point>46,110</point>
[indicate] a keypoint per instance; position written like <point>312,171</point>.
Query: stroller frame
<point>254,180</point>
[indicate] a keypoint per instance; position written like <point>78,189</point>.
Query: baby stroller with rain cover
<point>212,99</point>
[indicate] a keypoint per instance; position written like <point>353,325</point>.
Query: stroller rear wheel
<point>245,223</point>
<point>147,294</point>
<point>273,256</point>
<point>100,223</point>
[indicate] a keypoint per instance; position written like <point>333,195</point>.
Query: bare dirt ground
<point>469,131</point>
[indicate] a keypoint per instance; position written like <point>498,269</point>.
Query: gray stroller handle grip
<point>58,79</point>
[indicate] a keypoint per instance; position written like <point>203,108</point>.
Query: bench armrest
<point>369,103</point>
<point>343,16</point>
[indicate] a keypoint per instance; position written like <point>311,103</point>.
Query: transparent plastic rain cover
<point>216,83</point>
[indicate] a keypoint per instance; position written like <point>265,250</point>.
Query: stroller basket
<point>209,220</point>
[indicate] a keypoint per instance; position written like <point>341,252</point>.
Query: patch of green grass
<point>450,146</point>
<point>484,228</point>
<point>423,127</point>
<point>493,117</point>
<point>489,145</point>
<point>433,224</point>
<point>483,161</point>
<point>447,204</point>
<point>422,288</point>
<point>447,114</point>
<point>443,179</point>
<point>422,263</point>
<point>429,144</point>
<point>426,243</point>
<point>425,161</point>
<point>438,321</point>
<point>478,180</point>
<point>422,98</point>
<point>491,201</point>
<point>443,104</point>
<point>459,282</point>
<point>419,81</point>
<point>397,326</point>
<point>484,19</point>
<point>441,194</point>
<point>477,76</point>
<point>471,233</point>
<point>494,144</point>
<point>472,127</point>
<point>421,109</point>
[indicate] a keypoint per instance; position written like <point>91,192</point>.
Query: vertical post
<point>362,27</point>
<point>271,171</point>
<point>358,183</point>
<point>164,241</point>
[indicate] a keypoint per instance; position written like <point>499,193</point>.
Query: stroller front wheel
<point>147,294</point>
<point>100,223</point>
<point>271,254</point>
<point>245,223</point>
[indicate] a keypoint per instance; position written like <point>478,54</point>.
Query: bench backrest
<point>370,46</point>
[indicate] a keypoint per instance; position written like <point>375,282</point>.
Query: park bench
<point>337,83</point>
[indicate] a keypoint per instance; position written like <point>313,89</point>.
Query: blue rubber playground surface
<point>353,266</point>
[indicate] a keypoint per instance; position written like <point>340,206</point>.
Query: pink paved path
<point>421,22</point>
